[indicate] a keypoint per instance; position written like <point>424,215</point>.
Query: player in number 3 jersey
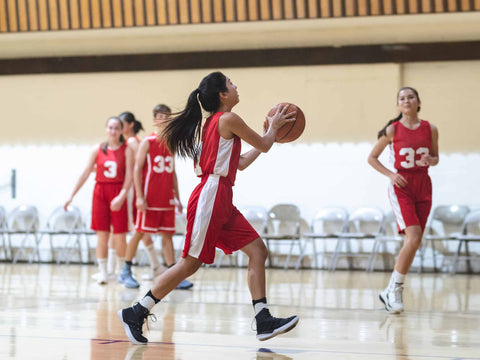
<point>413,146</point>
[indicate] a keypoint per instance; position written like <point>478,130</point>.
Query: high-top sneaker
<point>126,278</point>
<point>132,319</point>
<point>392,299</point>
<point>269,326</point>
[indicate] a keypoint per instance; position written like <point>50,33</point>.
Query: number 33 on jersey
<point>409,146</point>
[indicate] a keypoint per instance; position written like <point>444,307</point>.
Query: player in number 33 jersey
<point>413,146</point>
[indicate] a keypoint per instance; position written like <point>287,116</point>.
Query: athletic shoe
<point>269,326</point>
<point>184,285</point>
<point>132,319</point>
<point>392,299</point>
<point>102,279</point>
<point>126,278</point>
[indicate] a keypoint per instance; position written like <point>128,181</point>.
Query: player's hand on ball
<point>281,117</point>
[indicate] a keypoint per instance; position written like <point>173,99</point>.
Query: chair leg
<point>300,256</point>
<point>467,253</point>
<point>372,257</point>
<point>336,255</point>
<point>456,257</point>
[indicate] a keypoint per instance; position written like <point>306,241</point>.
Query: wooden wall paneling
<point>117,13</point>
<point>12,15</point>
<point>54,15</point>
<point>277,9</point>
<point>63,10</point>
<point>150,12</point>
<point>96,14</point>
<point>253,10</point>
<point>265,10</point>
<point>375,7</point>
<point>206,11</point>
<point>74,14</point>
<point>363,7</point>
<point>289,9</point>
<point>107,10</point>
<point>326,9</point>
<point>477,5</point>
<point>183,11</point>
<point>172,14</point>
<point>387,7</point>
<point>32,15</point>
<point>426,6</point>
<point>400,7</point>
<point>43,15</point>
<point>451,5</point>
<point>466,5</point>
<point>350,7</point>
<point>301,9</point>
<point>162,17</point>
<point>138,12</point>
<point>195,12</point>
<point>414,6</point>
<point>438,6</point>
<point>22,12</point>
<point>85,14</point>
<point>313,11</point>
<point>3,16</point>
<point>242,10</point>
<point>230,10</point>
<point>337,8</point>
<point>128,12</point>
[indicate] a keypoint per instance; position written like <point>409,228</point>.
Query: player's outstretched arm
<point>137,174</point>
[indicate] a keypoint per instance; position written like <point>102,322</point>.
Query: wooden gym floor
<point>59,312</point>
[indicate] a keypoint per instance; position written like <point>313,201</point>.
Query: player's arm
<point>84,175</point>
<point>249,157</point>
<point>433,158</point>
<point>231,124</point>
<point>378,148</point>
<point>137,174</point>
<point>176,193</point>
<point>117,202</point>
<point>133,144</point>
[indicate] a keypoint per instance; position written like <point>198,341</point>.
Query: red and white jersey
<point>408,146</point>
<point>111,166</point>
<point>218,156</point>
<point>158,176</point>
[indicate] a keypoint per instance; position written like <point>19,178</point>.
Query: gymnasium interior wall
<point>51,121</point>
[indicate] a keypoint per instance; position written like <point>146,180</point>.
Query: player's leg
<point>134,317</point>
<point>126,276</point>
<point>169,256</point>
<point>112,256</point>
<point>267,325</point>
<point>102,253</point>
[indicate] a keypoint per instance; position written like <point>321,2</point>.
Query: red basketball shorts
<point>411,205</point>
<point>155,221</point>
<point>104,219</point>
<point>212,221</point>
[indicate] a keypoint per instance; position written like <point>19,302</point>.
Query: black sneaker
<point>269,326</point>
<point>132,319</point>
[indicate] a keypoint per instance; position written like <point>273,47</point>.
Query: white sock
<point>152,257</point>
<point>259,307</point>
<point>102,266</point>
<point>112,255</point>
<point>147,302</point>
<point>119,265</point>
<point>397,278</point>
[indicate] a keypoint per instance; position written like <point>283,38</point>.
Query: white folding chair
<point>363,224</point>
<point>4,234</point>
<point>69,226</point>
<point>24,221</point>
<point>444,227</point>
<point>470,233</point>
<point>284,226</point>
<point>325,226</point>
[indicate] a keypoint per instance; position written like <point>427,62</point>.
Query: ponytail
<point>128,117</point>
<point>183,131</point>
<point>383,132</point>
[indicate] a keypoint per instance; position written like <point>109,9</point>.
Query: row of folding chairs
<point>365,233</point>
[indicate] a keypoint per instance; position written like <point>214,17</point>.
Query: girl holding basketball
<point>413,145</point>
<point>114,162</point>
<point>212,220</point>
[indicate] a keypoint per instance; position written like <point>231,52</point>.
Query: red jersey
<point>158,176</point>
<point>408,146</point>
<point>111,166</point>
<point>218,156</point>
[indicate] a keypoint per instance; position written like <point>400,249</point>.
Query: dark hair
<point>183,132</point>
<point>383,132</point>
<point>122,138</point>
<point>128,117</point>
<point>161,109</point>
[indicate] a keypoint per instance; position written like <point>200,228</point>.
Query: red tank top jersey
<point>158,176</point>
<point>218,156</point>
<point>111,166</point>
<point>408,146</point>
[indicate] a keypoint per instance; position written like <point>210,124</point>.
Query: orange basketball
<point>292,130</point>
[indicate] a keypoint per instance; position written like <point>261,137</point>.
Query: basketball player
<point>212,220</point>
<point>157,192</point>
<point>413,145</point>
<point>131,127</point>
<point>114,163</point>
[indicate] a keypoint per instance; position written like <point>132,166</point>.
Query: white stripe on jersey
<point>392,157</point>
<point>396,206</point>
<point>224,154</point>
<point>203,214</point>
<point>147,176</point>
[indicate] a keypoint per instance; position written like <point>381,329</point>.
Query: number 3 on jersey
<point>409,153</point>
<point>162,164</point>
<point>111,167</point>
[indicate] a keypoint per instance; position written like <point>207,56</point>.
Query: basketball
<point>290,131</point>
